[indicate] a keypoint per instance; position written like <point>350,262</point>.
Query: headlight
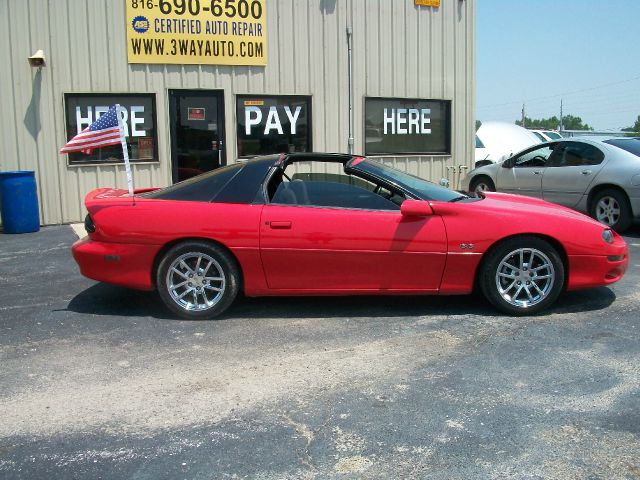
<point>607,235</point>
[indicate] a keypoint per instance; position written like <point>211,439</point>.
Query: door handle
<point>586,172</point>
<point>537,172</point>
<point>280,225</point>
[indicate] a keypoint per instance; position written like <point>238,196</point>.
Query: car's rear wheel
<point>197,280</point>
<point>481,184</point>
<point>611,207</point>
<point>522,275</point>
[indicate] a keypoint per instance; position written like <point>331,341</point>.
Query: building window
<point>139,120</point>
<point>273,124</point>
<point>407,126</point>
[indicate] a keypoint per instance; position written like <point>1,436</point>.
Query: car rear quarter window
<point>202,188</point>
<point>631,145</point>
<point>244,187</point>
<point>576,154</point>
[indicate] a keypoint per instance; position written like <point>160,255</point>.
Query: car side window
<point>534,158</point>
<point>576,154</point>
<point>324,184</point>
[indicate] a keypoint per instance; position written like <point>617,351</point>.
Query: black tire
<point>481,183</point>
<point>197,280</point>
<point>612,208</point>
<point>504,267</point>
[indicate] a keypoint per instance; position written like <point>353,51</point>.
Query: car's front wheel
<point>522,275</point>
<point>197,280</point>
<point>481,184</point>
<point>611,207</point>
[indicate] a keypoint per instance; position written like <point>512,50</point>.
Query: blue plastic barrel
<point>19,202</point>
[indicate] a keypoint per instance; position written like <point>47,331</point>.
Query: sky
<point>537,52</point>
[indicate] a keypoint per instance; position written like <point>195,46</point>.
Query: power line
<point>565,93</point>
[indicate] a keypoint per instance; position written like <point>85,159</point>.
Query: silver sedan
<point>597,177</point>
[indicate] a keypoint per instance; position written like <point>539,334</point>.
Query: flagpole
<point>125,152</point>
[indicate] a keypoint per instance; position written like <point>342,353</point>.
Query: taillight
<point>89,226</point>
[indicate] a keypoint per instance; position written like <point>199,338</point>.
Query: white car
<point>546,135</point>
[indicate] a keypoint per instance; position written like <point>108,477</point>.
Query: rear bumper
<point>588,271</point>
<point>128,265</point>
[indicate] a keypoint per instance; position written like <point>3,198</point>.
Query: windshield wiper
<point>457,199</point>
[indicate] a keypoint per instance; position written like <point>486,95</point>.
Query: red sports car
<point>330,224</point>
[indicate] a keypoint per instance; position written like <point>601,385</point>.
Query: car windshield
<point>553,135</point>
<point>631,145</point>
<point>540,136</point>
<point>417,186</point>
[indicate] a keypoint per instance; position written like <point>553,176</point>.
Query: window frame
<point>88,163</point>
<point>243,97</point>
<point>447,108</point>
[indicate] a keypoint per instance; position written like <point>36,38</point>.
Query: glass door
<point>197,132</point>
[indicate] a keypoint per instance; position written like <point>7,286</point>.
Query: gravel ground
<point>102,382</point>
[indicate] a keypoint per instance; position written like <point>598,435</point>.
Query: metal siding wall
<point>400,50</point>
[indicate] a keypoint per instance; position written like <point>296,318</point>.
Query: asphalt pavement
<point>102,382</point>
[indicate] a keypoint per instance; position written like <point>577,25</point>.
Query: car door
<point>522,174</point>
<point>341,245</point>
<point>570,171</point>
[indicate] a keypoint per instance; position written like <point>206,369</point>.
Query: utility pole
<point>523,117</point>
<point>561,122</point>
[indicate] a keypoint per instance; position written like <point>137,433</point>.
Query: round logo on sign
<point>140,24</point>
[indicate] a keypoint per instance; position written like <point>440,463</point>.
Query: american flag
<point>104,131</point>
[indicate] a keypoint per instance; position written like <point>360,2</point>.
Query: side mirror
<point>416,208</point>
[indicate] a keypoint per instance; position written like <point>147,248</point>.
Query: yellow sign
<point>214,32</point>
<point>428,3</point>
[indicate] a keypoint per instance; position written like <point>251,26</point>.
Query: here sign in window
<point>407,126</point>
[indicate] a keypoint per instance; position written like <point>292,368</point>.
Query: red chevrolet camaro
<point>330,224</point>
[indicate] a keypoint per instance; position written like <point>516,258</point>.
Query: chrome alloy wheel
<point>195,281</point>
<point>525,277</point>
<point>608,210</point>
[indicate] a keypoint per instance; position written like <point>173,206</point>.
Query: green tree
<point>635,128</point>
<point>570,122</point>
<point>574,123</point>
<point>551,123</point>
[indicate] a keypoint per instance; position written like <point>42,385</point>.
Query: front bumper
<point>128,265</point>
<point>588,271</point>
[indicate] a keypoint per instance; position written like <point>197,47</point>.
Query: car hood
<point>502,139</point>
<point>518,203</point>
